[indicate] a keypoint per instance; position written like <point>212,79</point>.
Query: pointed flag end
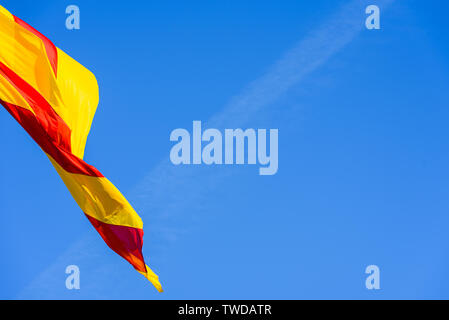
<point>153,278</point>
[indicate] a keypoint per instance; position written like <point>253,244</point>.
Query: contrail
<point>168,192</point>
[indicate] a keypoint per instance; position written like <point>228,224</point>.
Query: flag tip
<point>153,278</point>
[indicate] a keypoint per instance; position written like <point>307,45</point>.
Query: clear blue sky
<point>363,152</point>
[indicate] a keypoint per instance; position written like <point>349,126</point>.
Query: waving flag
<point>54,99</point>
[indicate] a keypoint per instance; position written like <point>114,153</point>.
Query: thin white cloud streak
<point>167,188</point>
<point>168,193</point>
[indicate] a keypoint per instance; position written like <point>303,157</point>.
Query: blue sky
<point>363,152</point>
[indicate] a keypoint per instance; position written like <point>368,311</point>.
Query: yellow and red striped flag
<point>54,98</point>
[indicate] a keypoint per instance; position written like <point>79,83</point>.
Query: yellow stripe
<point>99,198</point>
<point>9,94</point>
<point>25,54</point>
<point>79,91</point>
<point>6,13</point>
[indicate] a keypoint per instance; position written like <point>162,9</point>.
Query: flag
<point>54,98</point>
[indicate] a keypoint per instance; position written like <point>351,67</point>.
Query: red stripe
<point>65,159</point>
<point>56,128</point>
<point>50,48</point>
<point>46,127</point>
<point>125,241</point>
